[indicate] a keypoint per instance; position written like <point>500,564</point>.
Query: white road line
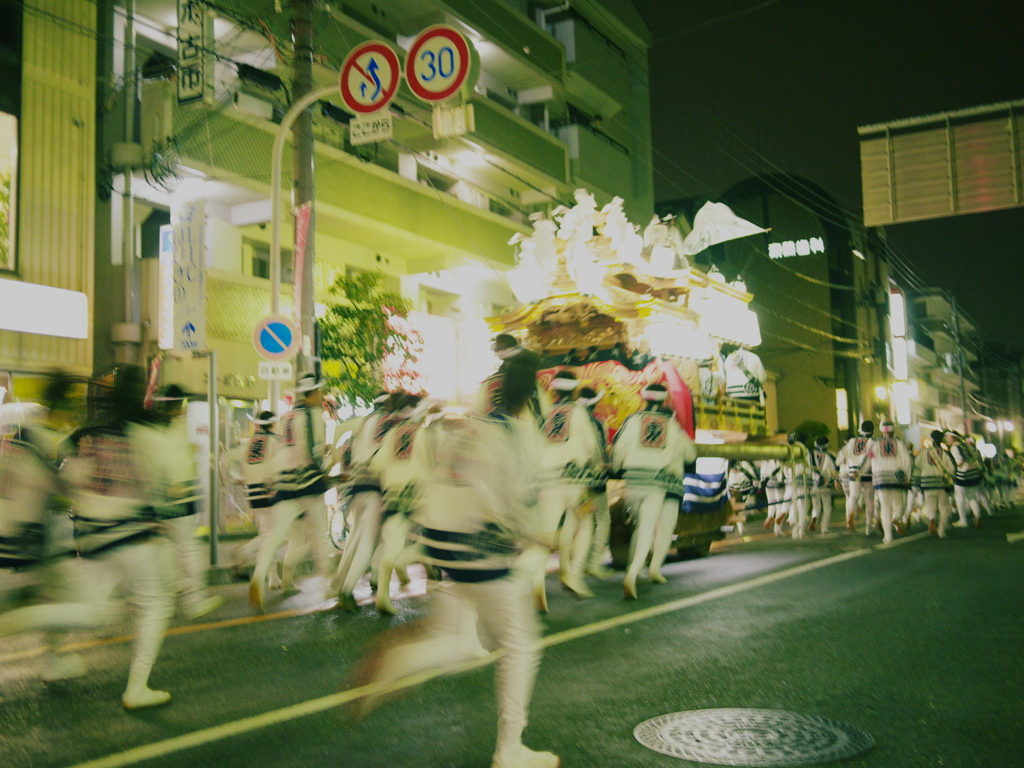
<point>245,725</point>
<point>1014,537</point>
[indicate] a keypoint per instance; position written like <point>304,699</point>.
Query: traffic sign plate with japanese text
<point>272,370</point>
<point>276,337</point>
<point>370,128</point>
<point>369,77</point>
<point>439,63</point>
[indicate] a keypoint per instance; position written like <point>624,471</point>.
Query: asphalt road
<point>920,644</point>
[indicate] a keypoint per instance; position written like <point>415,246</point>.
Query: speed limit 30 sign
<point>439,63</point>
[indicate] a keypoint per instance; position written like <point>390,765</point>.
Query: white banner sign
<point>189,275</point>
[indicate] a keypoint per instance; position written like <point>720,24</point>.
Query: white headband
<point>381,398</point>
<point>653,395</point>
<point>564,385</point>
<point>588,401</point>
<point>505,354</point>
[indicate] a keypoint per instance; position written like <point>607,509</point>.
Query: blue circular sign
<point>276,337</point>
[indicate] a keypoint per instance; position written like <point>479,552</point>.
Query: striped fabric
<point>706,489</point>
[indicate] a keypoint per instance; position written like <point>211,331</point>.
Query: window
<point>8,192</point>
<point>259,261</point>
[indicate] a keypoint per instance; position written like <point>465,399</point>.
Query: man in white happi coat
<point>890,471</point>
<point>649,453</point>
<point>824,473</point>
<point>967,480</point>
<point>853,463</point>
<point>477,507</point>
<point>180,504</point>
<point>598,491</point>
<point>933,479</point>
<point>366,503</point>
<point>299,489</point>
<point>573,458</point>
<point>798,488</point>
<point>392,465</point>
<point>254,464</point>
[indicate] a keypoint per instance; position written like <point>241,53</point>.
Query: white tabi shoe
<point>576,585</point>
<point>203,607</point>
<point>144,698</point>
<point>65,667</point>
<point>526,758</point>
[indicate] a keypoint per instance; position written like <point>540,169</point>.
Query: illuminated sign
<point>31,308</point>
<point>789,248</point>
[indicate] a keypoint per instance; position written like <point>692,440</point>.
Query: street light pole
<point>275,207</point>
<point>960,363</point>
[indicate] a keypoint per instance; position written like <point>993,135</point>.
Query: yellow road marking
<point>186,629</point>
<point>312,706</point>
<point>1013,537</point>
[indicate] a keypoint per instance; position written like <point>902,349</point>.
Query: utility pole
<point>960,363</point>
<point>304,158</point>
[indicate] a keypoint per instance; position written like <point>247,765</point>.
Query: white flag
<point>716,223</point>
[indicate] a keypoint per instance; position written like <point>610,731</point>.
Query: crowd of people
<point>891,481</point>
<point>483,495</point>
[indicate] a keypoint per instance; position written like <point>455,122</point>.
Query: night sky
<point>740,87</point>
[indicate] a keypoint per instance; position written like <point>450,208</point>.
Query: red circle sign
<point>369,77</point>
<point>438,63</point>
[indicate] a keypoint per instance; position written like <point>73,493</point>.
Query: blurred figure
<point>774,483</point>
<point>37,554</point>
<point>798,487</point>
<point>890,469</point>
<point>366,504</point>
<point>477,493</point>
<point>256,462</point>
<point>299,490</point>
<point>824,473</point>
<point>967,478</point>
<point>179,509</point>
<point>649,452</point>
<point>572,459</point>
<point>115,490</point>
<point>598,491</point>
<point>854,463</point>
<point>933,478</point>
<point>393,464</point>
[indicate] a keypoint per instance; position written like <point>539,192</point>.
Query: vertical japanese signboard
<point>189,278</point>
<point>195,46</point>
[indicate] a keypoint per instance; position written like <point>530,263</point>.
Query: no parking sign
<point>276,337</point>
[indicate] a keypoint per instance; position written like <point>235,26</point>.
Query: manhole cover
<point>758,737</point>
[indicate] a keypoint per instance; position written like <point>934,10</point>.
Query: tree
<point>366,340</point>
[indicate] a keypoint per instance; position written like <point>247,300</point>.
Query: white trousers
<point>656,518</point>
<point>191,560</point>
<point>365,511</point>
<point>857,490</point>
<point>796,505</point>
<point>890,506</point>
<point>967,502</point>
<point>561,503</point>
<point>303,522</point>
<point>821,506</point>
<point>501,613</point>
<point>936,500</point>
<point>778,507</point>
